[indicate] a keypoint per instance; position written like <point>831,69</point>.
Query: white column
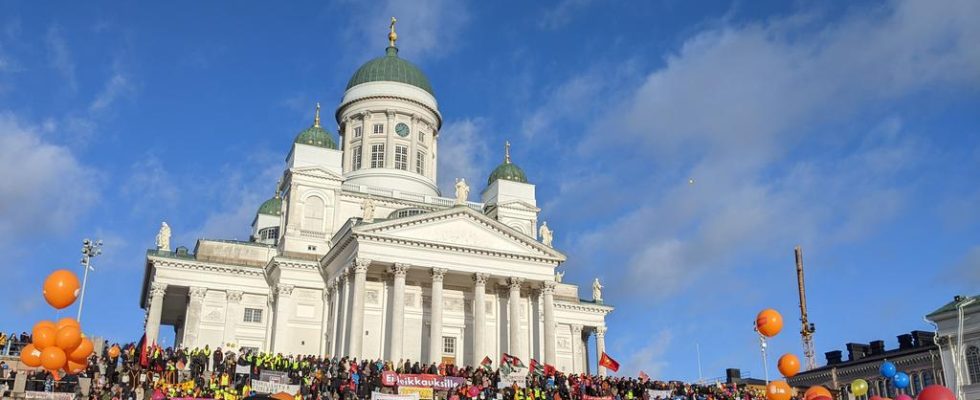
<point>390,140</point>
<point>235,314</point>
<point>157,291</point>
<point>281,334</point>
<point>514,320</point>
<point>357,308</point>
<point>548,295</point>
<point>600,347</point>
<point>435,319</point>
<point>192,318</point>
<point>479,317</point>
<point>576,349</point>
<point>325,320</point>
<point>334,317</point>
<point>397,339</point>
<point>343,336</point>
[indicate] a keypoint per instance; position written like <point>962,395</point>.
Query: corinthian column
<point>343,334</point>
<point>548,294</point>
<point>398,311</point>
<point>435,318</point>
<point>157,291</point>
<point>234,315</point>
<point>514,320</point>
<point>479,317</point>
<point>576,349</point>
<point>282,335</point>
<point>192,318</point>
<point>357,308</point>
<point>600,346</point>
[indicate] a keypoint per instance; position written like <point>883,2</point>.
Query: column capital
<point>600,332</point>
<point>577,330</point>
<point>198,293</point>
<point>235,296</point>
<point>438,274</point>
<point>515,283</point>
<point>390,113</point>
<point>361,265</point>
<point>158,289</point>
<point>399,270</point>
<point>548,287</point>
<point>481,278</point>
<point>284,290</point>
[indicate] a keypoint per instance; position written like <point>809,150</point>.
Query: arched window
<point>313,211</point>
<point>973,363</point>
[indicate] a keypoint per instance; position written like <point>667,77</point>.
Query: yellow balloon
<point>859,387</point>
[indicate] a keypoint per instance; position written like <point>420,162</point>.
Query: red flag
<point>144,361</point>
<point>550,370</point>
<point>644,377</point>
<point>608,362</point>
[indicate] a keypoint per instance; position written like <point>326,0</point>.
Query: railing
<point>12,348</point>
<point>312,234</point>
<point>409,196</point>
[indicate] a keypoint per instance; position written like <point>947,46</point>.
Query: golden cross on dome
<point>392,36</point>
<point>316,117</point>
<point>507,151</point>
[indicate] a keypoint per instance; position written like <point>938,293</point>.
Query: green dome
<point>272,206</point>
<point>316,136</point>
<point>391,68</point>
<point>509,172</point>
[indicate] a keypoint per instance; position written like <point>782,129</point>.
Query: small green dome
<point>509,172</point>
<point>316,136</point>
<point>272,206</point>
<point>391,68</point>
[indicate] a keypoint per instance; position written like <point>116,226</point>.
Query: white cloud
<point>966,271</point>
<point>59,57</point>
<point>150,186</point>
<point>427,29</point>
<point>752,113</point>
<point>561,14</point>
<point>650,358</point>
<point>119,85</point>
<point>464,153</point>
<point>45,188</point>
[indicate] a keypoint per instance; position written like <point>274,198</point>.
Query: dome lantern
<point>316,135</point>
<point>507,170</point>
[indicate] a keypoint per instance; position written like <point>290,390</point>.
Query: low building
<point>917,355</point>
<point>960,344</point>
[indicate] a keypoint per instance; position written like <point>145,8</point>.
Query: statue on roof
<point>596,291</point>
<point>547,235</point>
<point>368,209</point>
<point>462,191</point>
<point>559,276</point>
<point>163,237</point>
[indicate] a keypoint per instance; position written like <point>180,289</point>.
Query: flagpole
<point>700,375</point>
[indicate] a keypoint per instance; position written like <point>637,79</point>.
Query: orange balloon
<point>817,393</point>
<point>43,336</point>
<point>69,337</point>
<point>789,365</point>
<point>114,351</point>
<point>75,367</point>
<point>769,322</point>
<point>778,390</point>
<point>68,321</point>
<point>46,323</point>
<point>61,288</point>
<point>81,353</point>
<point>30,356</point>
<point>53,358</point>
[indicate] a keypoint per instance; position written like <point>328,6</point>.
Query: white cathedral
<point>359,254</point>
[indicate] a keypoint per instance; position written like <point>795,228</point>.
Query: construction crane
<point>806,332</point>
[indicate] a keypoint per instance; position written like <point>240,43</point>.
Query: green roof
<point>392,68</point>
<point>951,306</point>
<point>316,136</point>
<point>509,172</point>
<point>272,206</point>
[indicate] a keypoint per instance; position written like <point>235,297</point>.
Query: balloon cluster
<point>61,345</point>
<point>769,323</point>
<point>899,379</point>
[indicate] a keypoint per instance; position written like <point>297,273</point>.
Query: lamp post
<point>89,249</point>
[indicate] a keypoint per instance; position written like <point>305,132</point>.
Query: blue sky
<point>848,127</point>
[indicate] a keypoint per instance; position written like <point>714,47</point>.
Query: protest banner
<point>48,395</point>
<point>416,392</point>
<point>243,369</point>
<point>273,387</point>
<point>659,394</point>
<point>421,380</point>
<point>587,397</point>
<point>386,396</point>
<point>273,376</point>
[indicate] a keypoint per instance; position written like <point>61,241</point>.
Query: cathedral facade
<point>359,254</point>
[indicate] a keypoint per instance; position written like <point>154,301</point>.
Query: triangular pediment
<point>461,227</point>
<point>317,171</point>
<point>519,205</point>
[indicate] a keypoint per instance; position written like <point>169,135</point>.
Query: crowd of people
<point>139,373</point>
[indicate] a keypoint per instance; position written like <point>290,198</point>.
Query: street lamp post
<point>89,249</point>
